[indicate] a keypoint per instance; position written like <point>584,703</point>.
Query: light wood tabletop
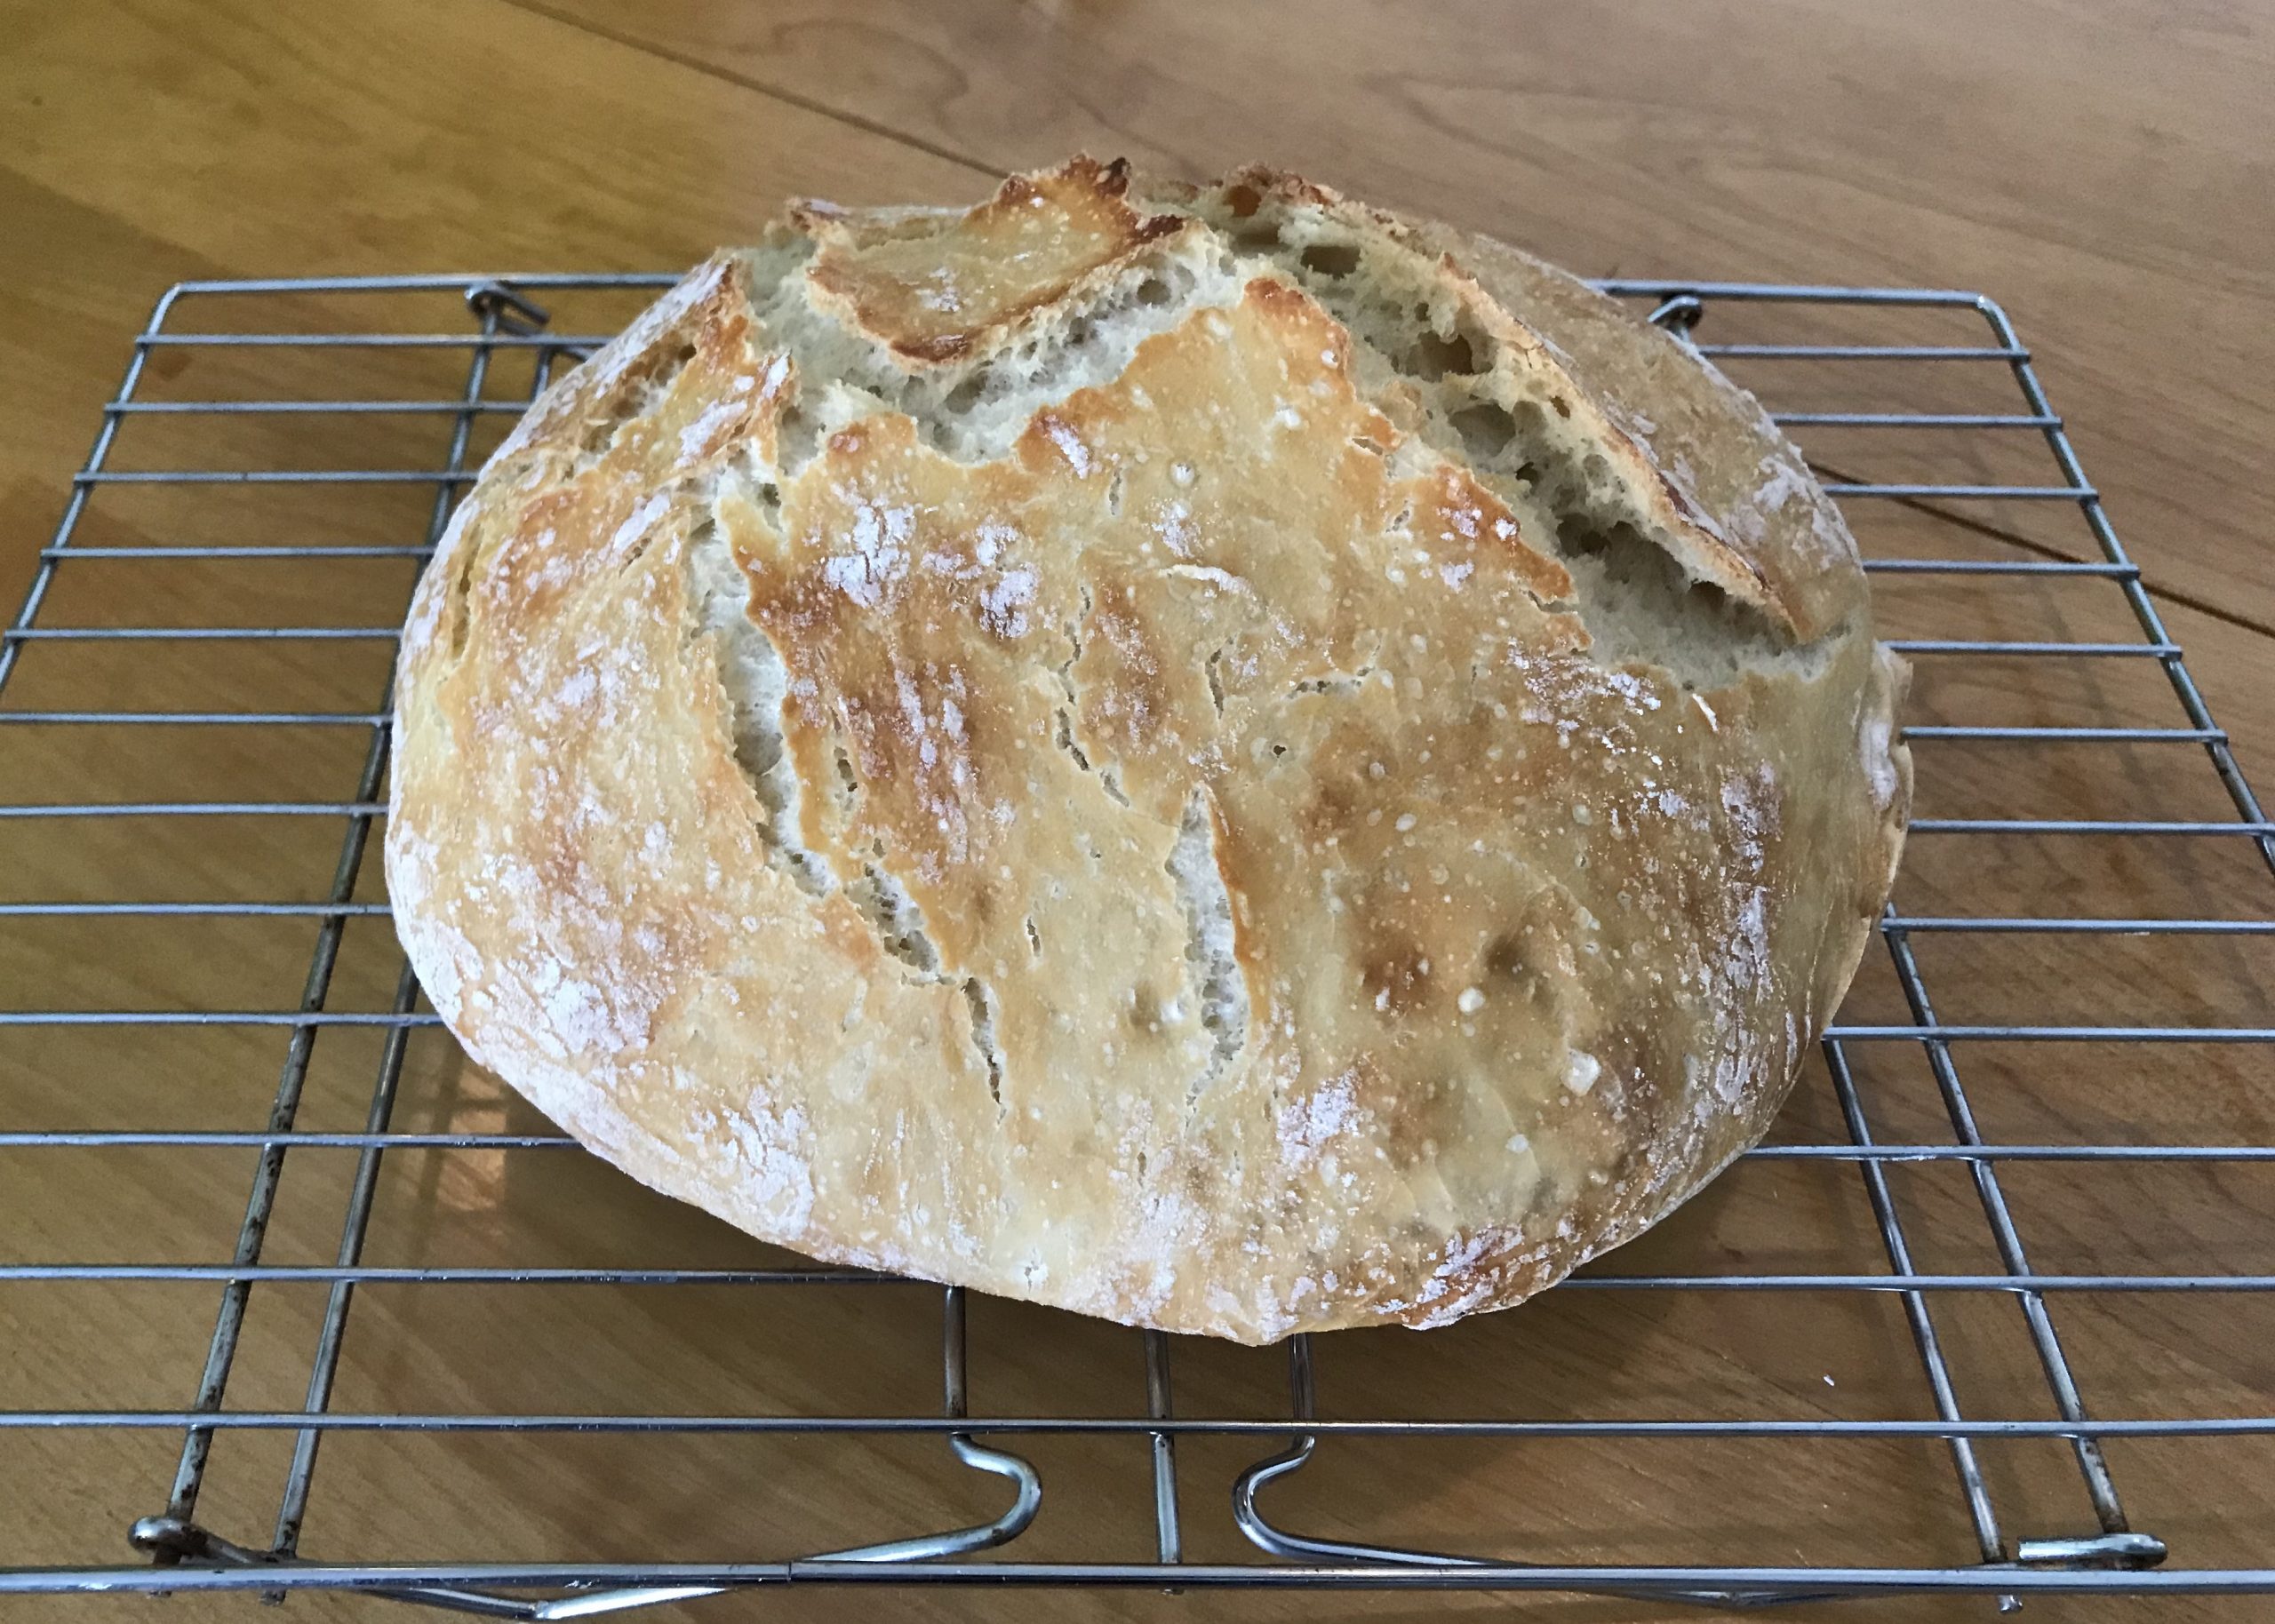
<point>2101,169</point>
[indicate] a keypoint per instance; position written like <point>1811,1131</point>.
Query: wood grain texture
<point>2103,170</point>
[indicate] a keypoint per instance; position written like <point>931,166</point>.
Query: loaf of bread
<point>1215,757</point>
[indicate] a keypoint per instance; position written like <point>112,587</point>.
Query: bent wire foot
<point>1305,1547</point>
<point>172,1540</point>
<point>979,1457</point>
<point>957,1542</point>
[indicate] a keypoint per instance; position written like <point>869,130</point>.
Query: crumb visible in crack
<point>981,997</point>
<point>1211,962</point>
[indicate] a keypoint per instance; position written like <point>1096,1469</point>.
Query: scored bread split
<point>1210,756</point>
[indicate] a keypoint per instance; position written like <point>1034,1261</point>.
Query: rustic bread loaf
<point>1209,756</point>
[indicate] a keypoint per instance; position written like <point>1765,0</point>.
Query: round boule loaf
<point>1211,756</point>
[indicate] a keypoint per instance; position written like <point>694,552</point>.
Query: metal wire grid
<point>185,1555</point>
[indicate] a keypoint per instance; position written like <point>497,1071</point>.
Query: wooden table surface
<point>2103,170</point>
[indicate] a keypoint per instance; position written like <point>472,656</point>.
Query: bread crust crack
<point>1209,755</point>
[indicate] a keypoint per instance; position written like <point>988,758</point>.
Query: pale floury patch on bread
<point>1209,756</point>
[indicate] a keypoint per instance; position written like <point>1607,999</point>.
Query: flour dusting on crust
<point>1209,756</point>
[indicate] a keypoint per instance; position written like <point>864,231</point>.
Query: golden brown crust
<point>1189,861</point>
<point>936,288</point>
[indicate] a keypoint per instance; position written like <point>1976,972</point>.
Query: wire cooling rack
<point>248,525</point>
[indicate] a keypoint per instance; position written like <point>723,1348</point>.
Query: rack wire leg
<point>1167,1534</point>
<point>260,1204</point>
<point>494,312</point>
<point>1972,1488</point>
<point>2118,1545</point>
